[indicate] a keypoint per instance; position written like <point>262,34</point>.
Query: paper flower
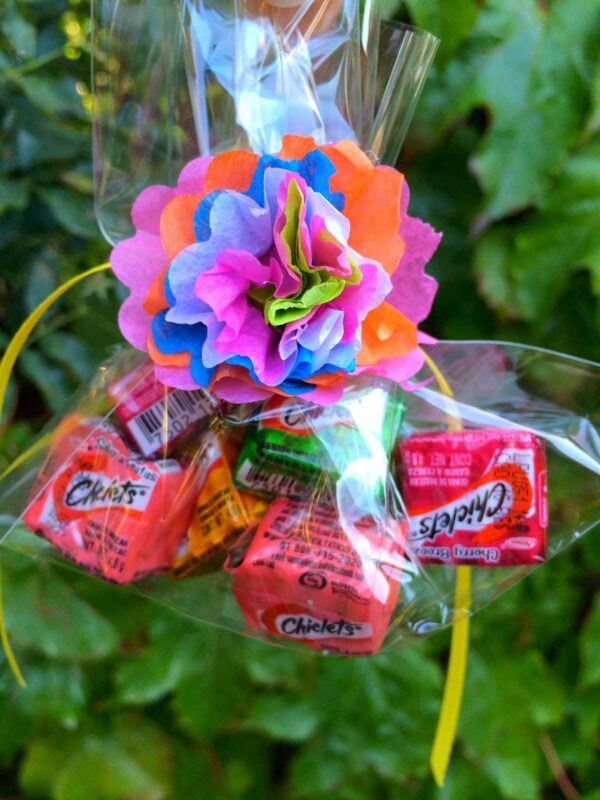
<point>281,274</point>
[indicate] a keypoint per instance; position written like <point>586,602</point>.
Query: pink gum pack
<point>115,514</point>
<point>155,416</point>
<point>475,496</point>
<point>305,578</point>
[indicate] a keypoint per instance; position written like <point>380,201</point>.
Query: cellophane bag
<point>288,455</point>
<point>337,527</point>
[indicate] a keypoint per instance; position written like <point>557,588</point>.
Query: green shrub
<point>125,700</point>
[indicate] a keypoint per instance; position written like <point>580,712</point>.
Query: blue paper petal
<point>202,228</point>
<point>171,338</point>
<point>315,168</point>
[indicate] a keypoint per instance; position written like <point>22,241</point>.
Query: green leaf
<point>277,666</point>
<point>13,194</point>
<point>15,726</point>
<point>534,84</point>
<point>493,264</point>
<point>464,781</point>
<point>19,32</point>
<point>128,759</point>
<point>42,765</point>
<point>49,379</point>
<point>315,773</point>
<point>54,691</point>
<point>593,125</point>
<point>194,768</point>
<point>377,716</point>
<point>516,773</point>
<point>389,7</point>
<point>173,654</point>
<point>586,710</point>
<point>144,741</point>
<point>589,644</point>
<point>43,613</point>
<point>53,95</point>
<point>101,771</point>
<point>212,695</point>
<point>41,282</point>
<point>524,269</point>
<point>450,22</point>
<point>74,213</point>
<point>507,701</point>
<point>71,353</point>
<point>36,144</point>
<point>547,705</point>
<point>284,717</point>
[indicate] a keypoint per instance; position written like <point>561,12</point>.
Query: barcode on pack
<point>251,477</point>
<point>167,419</point>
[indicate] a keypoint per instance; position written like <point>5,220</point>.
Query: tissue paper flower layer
<point>280,274</point>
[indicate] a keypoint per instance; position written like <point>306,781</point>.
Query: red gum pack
<point>155,416</point>
<point>305,579</point>
<point>475,497</point>
<point>111,512</point>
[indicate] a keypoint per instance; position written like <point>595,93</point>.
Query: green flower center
<point>317,285</point>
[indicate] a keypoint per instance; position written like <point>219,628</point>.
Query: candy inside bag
<point>221,511</point>
<point>106,508</point>
<point>154,417</point>
<point>475,496</point>
<point>308,578</point>
<point>295,447</point>
<point>352,562</point>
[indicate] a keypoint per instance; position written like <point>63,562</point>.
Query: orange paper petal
<point>343,154</point>
<point>155,298</point>
<point>177,223</point>
<point>233,170</point>
<point>373,208</point>
<point>297,147</point>
<point>227,171</point>
<point>386,333</point>
<point>372,203</point>
<point>182,359</point>
<point>326,379</point>
<point>367,188</point>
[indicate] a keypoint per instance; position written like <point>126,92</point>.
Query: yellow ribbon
<point>8,652</point>
<point>455,679</point>
<point>9,358</point>
<point>26,455</point>
<point>459,645</point>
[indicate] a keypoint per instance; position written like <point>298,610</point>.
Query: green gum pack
<point>297,449</point>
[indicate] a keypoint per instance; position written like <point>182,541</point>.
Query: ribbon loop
<point>7,364</point>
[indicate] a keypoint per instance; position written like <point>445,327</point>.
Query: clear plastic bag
<point>339,527</point>
<point>185,78</point>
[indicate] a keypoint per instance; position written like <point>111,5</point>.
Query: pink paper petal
<point>224,287</point>
<point>134,323</point>
<point>399,369</point>
<point>413,291</point>
<point>326,395</point>
<point>177,377</point>
<point>191,177</point>
<point>258,342</point>
<point>149,205</point>
<point>138,260</point>
<point>237,391</point>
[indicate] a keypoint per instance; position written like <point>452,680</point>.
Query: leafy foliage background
<point>125,700</point>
